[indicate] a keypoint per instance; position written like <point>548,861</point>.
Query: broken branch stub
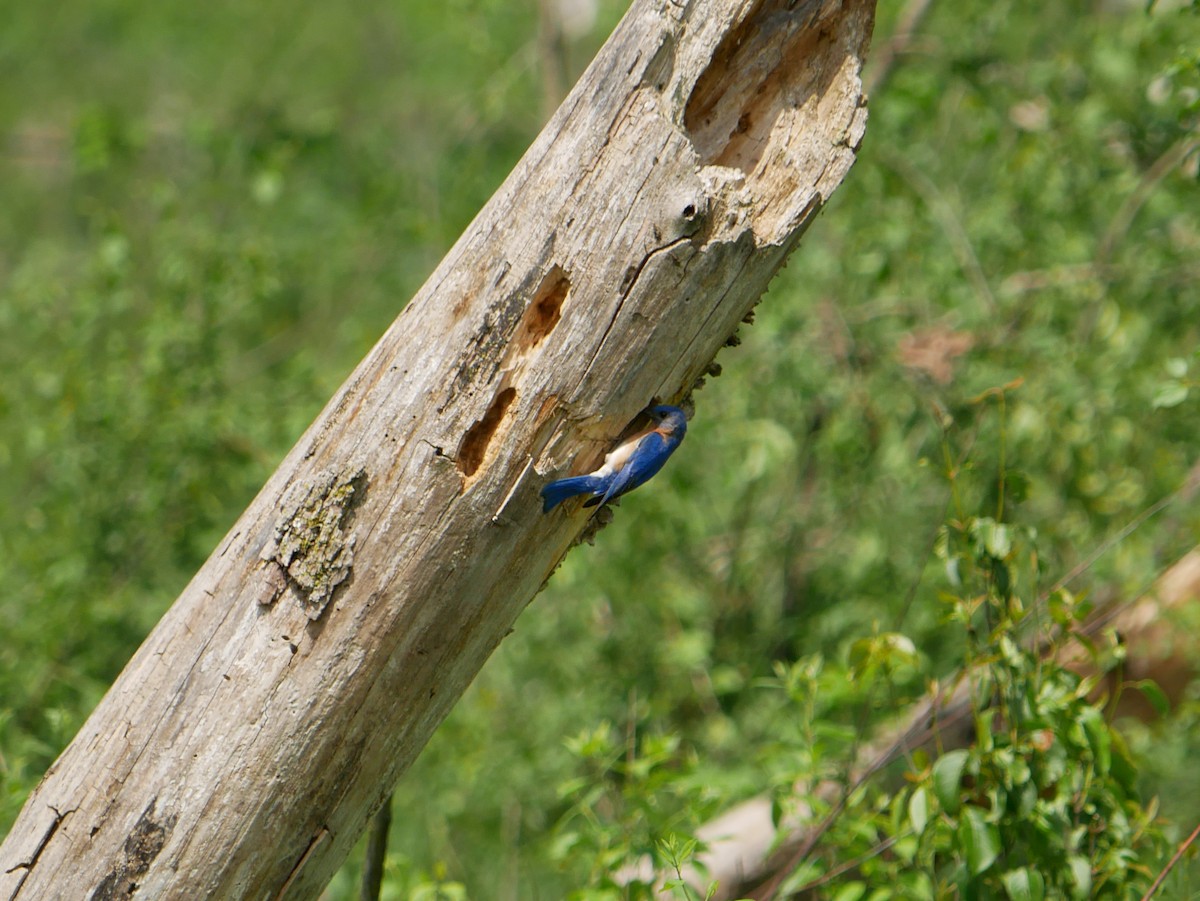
<point>270,712</point>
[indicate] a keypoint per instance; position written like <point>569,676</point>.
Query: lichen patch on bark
<point>312,552</point>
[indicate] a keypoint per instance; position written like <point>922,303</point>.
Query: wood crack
<point>322,834</point>
<point>632,280</point>
<point>28,865</point>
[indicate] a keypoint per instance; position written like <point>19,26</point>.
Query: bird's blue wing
<point>647,459</point>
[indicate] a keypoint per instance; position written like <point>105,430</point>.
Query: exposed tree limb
<point>268,715</point>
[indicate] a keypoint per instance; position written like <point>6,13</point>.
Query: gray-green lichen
<point>312,551</point>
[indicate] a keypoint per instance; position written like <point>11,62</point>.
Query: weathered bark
<point>268,715</point>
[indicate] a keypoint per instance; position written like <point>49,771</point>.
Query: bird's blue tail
<point>557,492</point>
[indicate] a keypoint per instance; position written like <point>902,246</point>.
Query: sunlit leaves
<point>1024,884</point>
<point>947,779</point>
<point>979,839</point>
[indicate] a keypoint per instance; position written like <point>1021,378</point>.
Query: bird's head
<point>669,420</point>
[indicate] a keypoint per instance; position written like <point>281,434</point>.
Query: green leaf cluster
<point>629,813</point>
<point>1045,802</point>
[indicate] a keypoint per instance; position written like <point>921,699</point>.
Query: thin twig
<point>851,864</point>
<point>1179,852</point>
<point>1160,169</point>
<point>884,58</point>
<point>377,844</point>
<point>1132,526</point>
<point>944,212</point>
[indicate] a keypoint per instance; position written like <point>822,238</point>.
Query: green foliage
<point>624,814</point>
<point>210,213</point>
<point>1045,802</point>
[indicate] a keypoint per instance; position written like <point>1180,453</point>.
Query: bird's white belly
<point>616,459</point>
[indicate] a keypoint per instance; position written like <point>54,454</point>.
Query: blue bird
<point>627,466</point>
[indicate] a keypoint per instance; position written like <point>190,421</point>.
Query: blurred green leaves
<point>210,214</point>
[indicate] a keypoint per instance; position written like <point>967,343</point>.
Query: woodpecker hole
<point>475,443</point>
<point>781,101</point>
<point>763,69</point>
<point>545,309</point>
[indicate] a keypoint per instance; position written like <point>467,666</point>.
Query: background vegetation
<point>211,212</point>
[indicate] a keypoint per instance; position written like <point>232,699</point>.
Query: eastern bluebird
<point>627,466</point>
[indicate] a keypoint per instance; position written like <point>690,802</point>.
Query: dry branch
<point>245,746</point>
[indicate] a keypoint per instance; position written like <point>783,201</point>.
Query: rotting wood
<point>272,709</point>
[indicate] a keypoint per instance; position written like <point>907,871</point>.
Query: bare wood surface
<point>265,719</point>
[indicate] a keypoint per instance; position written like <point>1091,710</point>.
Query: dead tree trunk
<point>267,716</point>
